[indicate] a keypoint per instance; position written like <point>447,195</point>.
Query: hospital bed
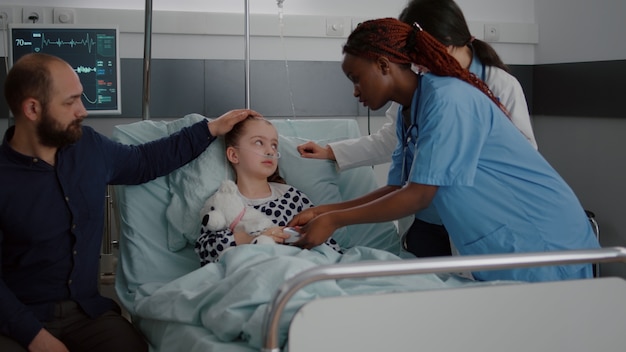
<point>274,297</point>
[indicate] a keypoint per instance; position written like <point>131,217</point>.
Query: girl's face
<point>371,80</point>
<point>256,152</point>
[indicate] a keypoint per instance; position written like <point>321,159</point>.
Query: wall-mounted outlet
<point>64,16</point>
<point>33,15</point>
<point>492,32</point>
<point>6,16</point>
<point>334,26</point>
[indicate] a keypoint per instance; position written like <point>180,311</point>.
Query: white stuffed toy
<point>226,209</point>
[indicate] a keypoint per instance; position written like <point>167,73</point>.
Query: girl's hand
<point>276,233</point>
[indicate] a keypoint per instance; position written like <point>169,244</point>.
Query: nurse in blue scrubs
<point>457,151</point>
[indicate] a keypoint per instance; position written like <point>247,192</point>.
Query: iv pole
<point>147,55</point>
<point>247,52</point>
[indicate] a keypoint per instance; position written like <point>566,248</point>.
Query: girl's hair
<point>231,139</point>
<point>404,44</point>
<point>444,20</point>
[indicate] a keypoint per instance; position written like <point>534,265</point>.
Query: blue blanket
<point>230,297</point>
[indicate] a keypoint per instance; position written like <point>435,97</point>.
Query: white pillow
<point>193,183</point>
<point>320,180</point>
<point>190,186</point>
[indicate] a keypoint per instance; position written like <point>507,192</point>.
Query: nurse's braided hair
<point>402,43</point>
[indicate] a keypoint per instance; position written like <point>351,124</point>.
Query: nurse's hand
<point>316,232</point>
<point>313,150</point>
<point>225,123</point>
<point>303,217</point>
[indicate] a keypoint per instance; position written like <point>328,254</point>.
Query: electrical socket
<point>334,26</point>
<point>65,16</point>
<point>492,32</point>
<point>30,12</point>
<point>6,16</point>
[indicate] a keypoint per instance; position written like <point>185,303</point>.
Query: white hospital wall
<point>181,46</point>
<point>503,10</point>
<point>129,14</point>
<point>479,11</point>
<point>589,152</point>
<point>580,30</point>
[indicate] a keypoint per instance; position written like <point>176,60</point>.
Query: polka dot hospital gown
<point>281,206</point>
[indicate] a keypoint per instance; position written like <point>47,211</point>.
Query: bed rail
<point>422,266</point>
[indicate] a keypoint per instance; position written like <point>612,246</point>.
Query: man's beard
<point>51,135</point>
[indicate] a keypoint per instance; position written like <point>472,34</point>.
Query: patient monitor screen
<point>91,51</point>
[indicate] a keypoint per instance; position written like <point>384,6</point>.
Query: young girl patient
<point>252,151</point>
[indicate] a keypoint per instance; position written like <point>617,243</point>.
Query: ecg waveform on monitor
<point>83,69</point>
<point>91,51</point>
<point>86,42</point>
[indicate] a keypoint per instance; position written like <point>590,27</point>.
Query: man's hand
<point>45,342</point>
<point>223,124</point>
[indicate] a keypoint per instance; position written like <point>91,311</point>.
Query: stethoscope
<point>407,132</point>
<point>407,136</point>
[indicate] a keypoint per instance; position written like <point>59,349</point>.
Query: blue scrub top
<point>496,193</point>
<point>430,214</point>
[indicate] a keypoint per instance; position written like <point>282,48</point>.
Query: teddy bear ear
<point>223,186</point>
<point>228,186</point>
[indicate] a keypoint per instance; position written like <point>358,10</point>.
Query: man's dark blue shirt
<point>52,219</point>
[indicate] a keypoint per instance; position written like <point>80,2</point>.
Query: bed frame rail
<point>422,266</point>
